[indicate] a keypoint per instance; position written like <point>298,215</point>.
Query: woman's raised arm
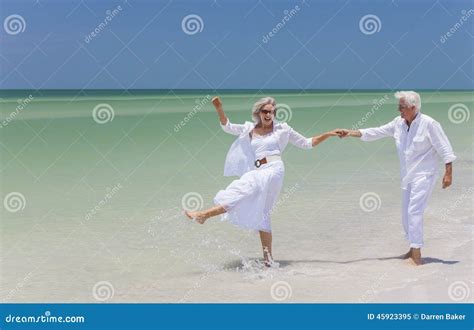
<point>220,111</point>
<point>226,125</point>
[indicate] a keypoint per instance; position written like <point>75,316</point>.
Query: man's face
<point>407,111</point>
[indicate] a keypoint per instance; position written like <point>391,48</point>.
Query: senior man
<point>419,140</point>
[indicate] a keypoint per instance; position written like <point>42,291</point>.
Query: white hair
<point>411,98</point>
<point>259,105</point>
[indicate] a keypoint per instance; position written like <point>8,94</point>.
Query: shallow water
<point>102,203</point>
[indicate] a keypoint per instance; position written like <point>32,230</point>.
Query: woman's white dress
<point>250,199</point>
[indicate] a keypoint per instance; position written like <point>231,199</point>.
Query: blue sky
<point>321,46</point>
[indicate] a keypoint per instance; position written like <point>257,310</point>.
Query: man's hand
<point>448,175</point>
<point>217,102</point>
<point>447,180</point>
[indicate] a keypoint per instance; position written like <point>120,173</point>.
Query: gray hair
<point>411,98</point>
<point>259,105</point>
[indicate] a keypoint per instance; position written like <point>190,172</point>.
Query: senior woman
<point>255,157</point>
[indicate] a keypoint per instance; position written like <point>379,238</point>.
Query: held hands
<point>339,132</point>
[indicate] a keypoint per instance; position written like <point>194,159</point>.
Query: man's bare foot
<point>407,255</point>
<point>200,217</point>
<point>416,257</point>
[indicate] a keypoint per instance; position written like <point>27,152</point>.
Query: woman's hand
<point>216,100</point>
<point>336,132</point>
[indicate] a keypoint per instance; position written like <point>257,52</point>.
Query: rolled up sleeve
<point>299,140</point>
<point>440,143</point>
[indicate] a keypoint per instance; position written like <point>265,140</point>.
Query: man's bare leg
<point>266,239</point>
<point>202,216</point>
<point>416,256</point>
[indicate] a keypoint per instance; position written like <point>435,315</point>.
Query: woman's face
<point>267,113</point>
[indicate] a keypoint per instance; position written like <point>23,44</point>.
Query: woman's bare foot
<point>267,257</point>
<point>416,257</point>
<point>200,217</point>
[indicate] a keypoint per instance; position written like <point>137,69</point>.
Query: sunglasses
<point>266,112</point>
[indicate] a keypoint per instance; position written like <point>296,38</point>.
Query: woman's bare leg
<point>202,216</point>
<point>266,239</point>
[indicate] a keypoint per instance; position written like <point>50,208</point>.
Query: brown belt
<point>265,160</point>
<point>260,162</point>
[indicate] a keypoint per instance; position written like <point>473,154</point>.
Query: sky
<point>349,44</point>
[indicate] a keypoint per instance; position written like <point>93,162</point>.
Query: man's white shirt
<point>419,146</point>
